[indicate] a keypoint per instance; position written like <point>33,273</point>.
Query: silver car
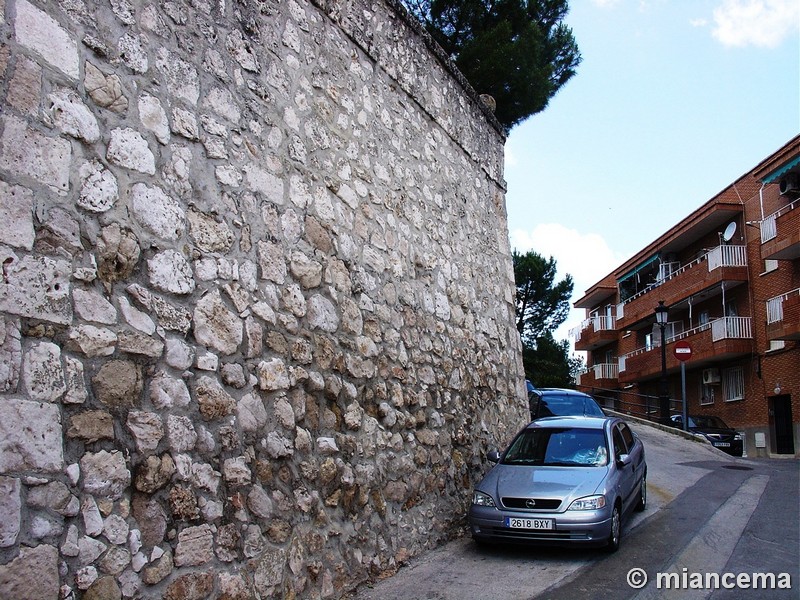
<point>562,480</point>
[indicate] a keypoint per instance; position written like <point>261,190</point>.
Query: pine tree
<point>518,51</point>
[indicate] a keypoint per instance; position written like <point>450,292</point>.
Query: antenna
<point>727,235</point>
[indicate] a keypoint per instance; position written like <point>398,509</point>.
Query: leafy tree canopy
<point>518,51</point>
<point>542,304</point>
<point>547,363</point>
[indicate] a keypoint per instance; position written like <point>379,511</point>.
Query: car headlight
<point>481,499</point>
<point>588,503</point>
<point>738,437</point>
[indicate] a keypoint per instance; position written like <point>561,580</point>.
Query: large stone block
<point>36,287</point>
<point>30,155</point>
<point>16,212</point>
<point>216,326</point>
<point>118,384</point>
<point>43,373</point>
<point>105,474</point>
<point>38,31</point>
<point>30,437</point>
<point>17,579</point>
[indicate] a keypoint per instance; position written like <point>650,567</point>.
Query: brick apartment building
<point>729,275</point>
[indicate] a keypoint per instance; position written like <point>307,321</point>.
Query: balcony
<point>726,263</point>
<point>783,316</point>
<point>602,375</point>
<point>595,332</point>
<point>780,234</point>
<point>720,340</point>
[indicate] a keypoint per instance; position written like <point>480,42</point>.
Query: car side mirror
<point>624,460</point>
<point>493,456</point>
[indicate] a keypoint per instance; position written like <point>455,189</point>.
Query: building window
<point>776,345</point>
<point>706,394</point>
<point>770,265</point>
<point>733,384</point>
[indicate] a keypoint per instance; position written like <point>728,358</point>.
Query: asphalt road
<point>707,513</point>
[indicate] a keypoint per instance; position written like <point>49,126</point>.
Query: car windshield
<point>565,406</point>
<point>707,422</point>
<point>558,447</point>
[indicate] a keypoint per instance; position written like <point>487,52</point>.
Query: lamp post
<point>662,313</point>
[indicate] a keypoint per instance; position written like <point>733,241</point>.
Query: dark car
<point>562,480</point>
<point>557,402</point>
<point>715,430</point>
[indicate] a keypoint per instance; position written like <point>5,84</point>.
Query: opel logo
<point>530,503</point>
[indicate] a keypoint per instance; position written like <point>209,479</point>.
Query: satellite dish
<point>727,236</point>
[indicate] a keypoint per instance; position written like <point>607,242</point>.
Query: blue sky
<point>674,100</point>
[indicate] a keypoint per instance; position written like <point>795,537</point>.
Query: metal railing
<point>721,329</point>
<point>769,226</point>
<point>725,255</point>
<point>635,404</point>
<point>775,306</point>
<point>601,371</point>
<point>604,323</point>
<point>727,328</point>
<point>598,323</point>
<point>606,371</point>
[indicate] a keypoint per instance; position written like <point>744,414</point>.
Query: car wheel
<point>642,503</point>
<point>616,530</point>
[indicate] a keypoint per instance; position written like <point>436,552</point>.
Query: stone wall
<point>256,312</point>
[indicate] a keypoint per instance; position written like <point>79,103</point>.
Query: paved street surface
<point>707,513</point>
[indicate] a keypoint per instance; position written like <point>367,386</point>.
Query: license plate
<point>515,523</point>
<point>722,444</point>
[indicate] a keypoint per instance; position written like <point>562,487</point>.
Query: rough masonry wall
<point>256,308</point>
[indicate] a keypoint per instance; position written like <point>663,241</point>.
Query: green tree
<point>518,51</point>
<point>547,362</point>
<point>542,304</point>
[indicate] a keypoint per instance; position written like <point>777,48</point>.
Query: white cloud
<point>764,23</point>
<point>586,257</point>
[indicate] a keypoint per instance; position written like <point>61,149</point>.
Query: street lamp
<point>662,313</point>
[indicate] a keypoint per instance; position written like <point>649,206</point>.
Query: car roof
<point>572,421</point>
<point>559,392</point>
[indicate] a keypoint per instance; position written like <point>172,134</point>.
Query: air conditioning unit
<point>789,184</point>
<point>710,376</point>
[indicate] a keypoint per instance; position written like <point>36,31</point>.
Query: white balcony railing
<point>606,371</point>
<point>600,371</point>
<point>727,328</point>
<point>775,306</point>
<point>597,322</point>
<point>603,323</point>
<point>769,226</point>
<point>727,256</point>
<point>721,329</point>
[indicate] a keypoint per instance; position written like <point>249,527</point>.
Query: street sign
<point>682,350</point>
